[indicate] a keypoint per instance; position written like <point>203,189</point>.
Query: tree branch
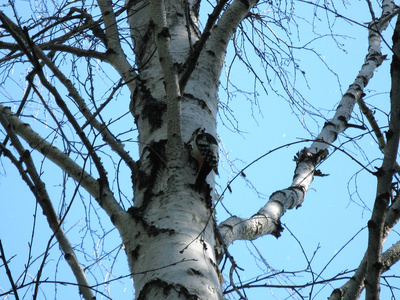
<point>99,189</point>
<point>55,47</point>
<point>25,43</point>
<point>353,288</point>
<point>38,143</point>
<point>385,174</point>
<point>390,256</point>
<point>57,43</point>
<point>116,54</point>
<point>372,121</point>
<point>174,137</point>
<point>39,190</point>
<point>74,50</point>
<point>375,28</point>
<point>266,221</point>
<point>8,272</point>
<point>192,59</point>
<point>94,187</point>
<point>213,54</point>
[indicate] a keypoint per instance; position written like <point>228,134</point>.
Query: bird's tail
<point>201,178</point>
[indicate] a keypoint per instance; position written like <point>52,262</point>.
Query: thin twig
<point>8,272</point>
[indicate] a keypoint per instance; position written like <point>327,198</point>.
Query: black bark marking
<point>154,112</point>
<point>166,288</point>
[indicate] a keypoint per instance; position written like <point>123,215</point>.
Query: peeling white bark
<point>174,245</point>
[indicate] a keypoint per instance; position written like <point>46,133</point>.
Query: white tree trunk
<point>173,252</point>
<point>171,248</point>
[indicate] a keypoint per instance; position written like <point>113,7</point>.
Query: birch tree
<point>87,84</point>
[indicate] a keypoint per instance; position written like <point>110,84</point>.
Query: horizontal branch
<point>74,50</point>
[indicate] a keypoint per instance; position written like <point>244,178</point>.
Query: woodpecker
<point>205,150</point>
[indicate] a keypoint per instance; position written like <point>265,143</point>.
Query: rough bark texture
<point>172,255</point>
<point>385,175</point>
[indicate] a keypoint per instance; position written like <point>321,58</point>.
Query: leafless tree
<point>99,100</point>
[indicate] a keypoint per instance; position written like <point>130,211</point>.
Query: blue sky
<point>337,206</point>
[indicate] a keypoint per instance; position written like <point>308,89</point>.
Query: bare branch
<point>115,52</point>
<point>372,121</point>
<point>390,257</point>
<point>54,154</point>
<point>8,272</point>
<point>192,59</point>
<point>74,50</point>
<point>215,49</point>
<point>175,143</point>
<point>266,221</point>
<point>353,288</point>
<point>40,192</point>
<point>25,43</point>
<point>385,174</point>
<point>57,42</point>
